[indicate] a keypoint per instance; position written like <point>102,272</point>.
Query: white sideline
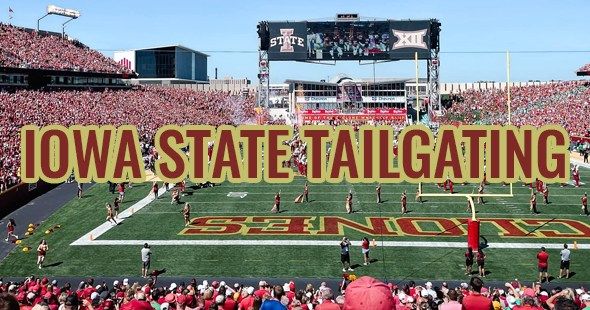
<point>421,244</point>
<point>104,227</point>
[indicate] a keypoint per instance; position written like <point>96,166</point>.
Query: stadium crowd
<point>364,293</point>
<point>146,108</point>
<point>585,68</point>
<point>25,48</point>
<point>564,103</point>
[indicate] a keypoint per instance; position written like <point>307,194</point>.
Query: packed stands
<point>351,294</point>
<point>26,48</point>
<point>146,108</point>
<point>584,70</point>
<point>563,103</point>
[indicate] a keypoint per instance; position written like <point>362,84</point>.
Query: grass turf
<point>162,221</point>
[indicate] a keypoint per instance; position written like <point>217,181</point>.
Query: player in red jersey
<point>404,200</point>
<point>41,252</point>
<point>543,264</point>
<point>186,212</point>
<point>10,226</point>
<point>584,204</point>
<point>276,208</point>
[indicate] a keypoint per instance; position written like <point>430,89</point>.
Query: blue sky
<point>214,26</point>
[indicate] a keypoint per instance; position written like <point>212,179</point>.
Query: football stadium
<point>302,244</point>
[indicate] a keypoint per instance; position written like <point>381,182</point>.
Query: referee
<point>565,262</point>
<point>345,254</point>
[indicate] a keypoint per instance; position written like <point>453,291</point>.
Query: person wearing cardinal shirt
<point>475,301</point>
<point>543,264</point>
<point>247,300</point>
<point>327,301</point>
<point>576,176</point>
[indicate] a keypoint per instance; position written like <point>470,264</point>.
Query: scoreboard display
<point>351,40</point>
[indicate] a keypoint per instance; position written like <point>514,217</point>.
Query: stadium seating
<point>564,103</point>
<point>25,48</point>
<point>351,293</point>
<point>585,69</point>
<point>147,108</point>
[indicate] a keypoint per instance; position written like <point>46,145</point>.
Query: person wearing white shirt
<point>565,262</point>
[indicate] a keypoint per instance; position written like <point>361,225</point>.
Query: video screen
<point>348,40</point>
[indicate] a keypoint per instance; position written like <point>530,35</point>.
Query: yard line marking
<point>361,194</point>
<point>366,213</point>
<point>106,226</point>
<point>488,203</point>
<point>420,244</point>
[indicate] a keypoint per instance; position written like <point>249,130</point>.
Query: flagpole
<point>509,99</point>
<point>417,100</point>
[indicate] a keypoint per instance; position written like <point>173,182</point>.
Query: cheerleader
<point>80,190</point>
<point>155,189</point>
<point>576,176</point>
<point>584,205</point>
<point>186,213</point>
<point>121,191</point>
<point>378,192</point>
<point>276,208</point>
<point>175,196</point>
<point>116,206</point>
<point>404,203</point>
<point>349,202</point>
<point>533,203</point>
<point>110,214</point>
<point>480,192</point>
<point>10,226</point>
<point>418,196</point>
<point>546,194</point>
<point>41,252</point>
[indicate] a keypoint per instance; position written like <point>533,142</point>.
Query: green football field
<point>232,233</point>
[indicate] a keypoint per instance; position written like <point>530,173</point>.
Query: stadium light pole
<point>63,26</point>
<point>39,20</point>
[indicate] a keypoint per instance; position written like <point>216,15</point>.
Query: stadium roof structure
<point>168,46</point>
<point>339,79</point>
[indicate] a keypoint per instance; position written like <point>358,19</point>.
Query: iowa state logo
<point>287,40</point>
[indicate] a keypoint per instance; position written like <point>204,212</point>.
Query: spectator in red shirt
<point>262,289</point>
<point>475,301</point>
<point>543,265</point>
<point>328,301</point>
<point>247,300</point>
